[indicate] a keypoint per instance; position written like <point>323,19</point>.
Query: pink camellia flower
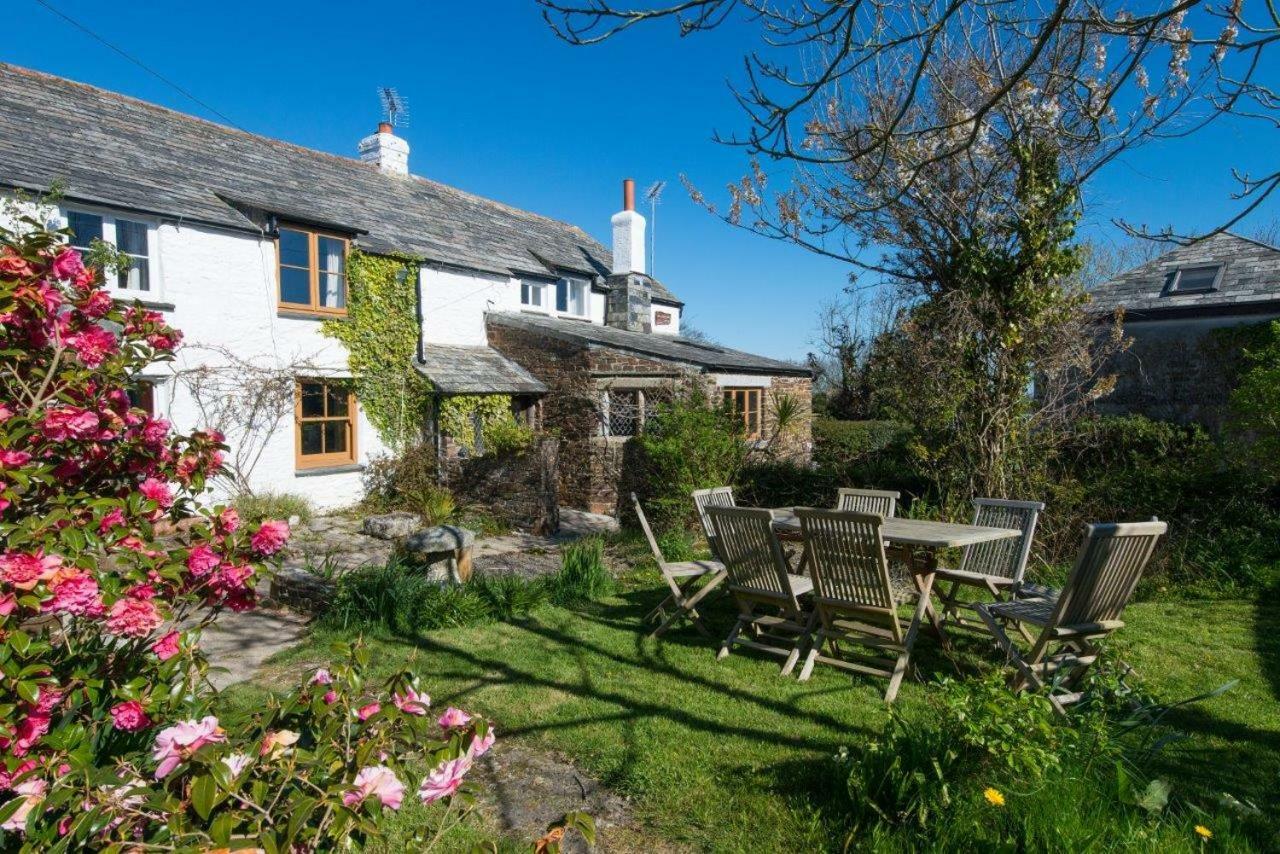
<point>228,520</point>
<point>453,718</point>
<point>167,647</point>
<point>202,560</point>
<point>133,618</point>
<point>7,777</point>
<point>330,697</point>
<point>14,266</point>
<point>366,712</point>
<point>96,305</point>
<point>270,537</point>
<point>113,519</point>
<point>376,780</point>
<point>28,732</point>
<point>444,780</point>
<point>155,431</point>
<point>481,743</point>
<point>74,592</point>
<point>154,489</point>
<point>277,741</point>
<point>69,422</point>
<point>24,571</point>
<point>8,602</point>
<point>129,716</point>
<point>176,744</point>
<point>13,459</point>
<point>93,345</point>
<point>67,265</point>
<point>32,791</point>
<point>411,702</point>
<point>322,677</point>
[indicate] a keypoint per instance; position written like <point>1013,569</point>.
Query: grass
<point>727,756</point>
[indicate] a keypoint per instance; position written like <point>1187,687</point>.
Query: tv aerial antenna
<point>653,195</point>
<point>395,108</point>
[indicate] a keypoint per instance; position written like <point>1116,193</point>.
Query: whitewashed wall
<point>673,328</point>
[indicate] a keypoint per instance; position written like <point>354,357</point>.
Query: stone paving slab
<point>241,641</point>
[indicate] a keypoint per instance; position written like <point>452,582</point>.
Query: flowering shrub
<point>109,569</point>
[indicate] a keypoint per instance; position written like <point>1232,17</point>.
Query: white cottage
<point>241,242</point>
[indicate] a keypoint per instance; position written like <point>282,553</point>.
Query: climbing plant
<point>498,427</point>
<point>380,332</point>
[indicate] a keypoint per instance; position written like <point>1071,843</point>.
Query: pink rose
<point>154,489</point>
<point>376,780</point>
<point>270,537</point>
<point>93,345</point>
<point>167,647</point>
<point>444,780</point>
<point>411,702</point>
<point>202,560</point>
<point>368,711</point>
<point>67,265</point>
<point>133,618</point>
<point>176,744</point>
<point>129,716</point>
<point>453,718</point>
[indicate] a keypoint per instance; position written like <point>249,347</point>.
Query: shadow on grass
<point>1266,633</point>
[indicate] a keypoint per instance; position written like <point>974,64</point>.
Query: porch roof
<point>457,369</point>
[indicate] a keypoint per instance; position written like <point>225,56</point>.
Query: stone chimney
<point>628,233</point>
<point>388,152</point>
<point>629,302</point>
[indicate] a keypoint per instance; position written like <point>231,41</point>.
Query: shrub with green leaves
<point>583,576</point>
<point>256,506</point>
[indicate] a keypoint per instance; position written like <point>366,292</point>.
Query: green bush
<point>255,507</point>
<point>400,481</point>
<point>687,445</point>
<point>583,576</point>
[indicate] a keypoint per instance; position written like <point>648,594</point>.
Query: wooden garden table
<point>916,542</point>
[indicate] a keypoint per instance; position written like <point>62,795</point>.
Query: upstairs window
<point>533,295</point>
<point>571,297</point>
<point>744,403</point>
<point>1194,280</point>
<point>313,271</point>
<point>131,237</point>
<point>325,415</point>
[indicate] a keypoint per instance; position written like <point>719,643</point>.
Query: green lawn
<point>728,756</point>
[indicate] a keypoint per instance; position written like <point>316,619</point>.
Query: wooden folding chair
<point>996,567</point>
<point>1088,609</point>
<point>853,597</point>
<point>682,578</point>
<point>767,593</point>
<point>719,496</point>
<point>880,501</point>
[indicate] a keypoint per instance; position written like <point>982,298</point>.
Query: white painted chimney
<point>386,151</point>
<point>628,233</point>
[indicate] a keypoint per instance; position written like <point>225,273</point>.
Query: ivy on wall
<point>499,429</point>
<point>380,333</point>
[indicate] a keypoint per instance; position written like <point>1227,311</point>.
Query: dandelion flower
<point>994,797</point>
<point>1203,832</point>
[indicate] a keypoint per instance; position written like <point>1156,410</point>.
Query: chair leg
<point>809,661</point>
<point>909,640</point>
<point>727,643</point>
<point>802,643</point>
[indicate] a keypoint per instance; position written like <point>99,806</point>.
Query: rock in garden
<point>443,542</point>
<point>392,526</point>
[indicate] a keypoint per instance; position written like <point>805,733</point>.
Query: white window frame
<point>584,292</point>
<point>532,286</point>
<point>548,291</point>
<point>109,217</point>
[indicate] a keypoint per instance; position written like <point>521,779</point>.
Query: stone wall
<point>1179,370</point>
<point>521,489</point>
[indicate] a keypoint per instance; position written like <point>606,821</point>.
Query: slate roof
<point>121,152</point>
<point>674,348</point>
<point>475,370</point>
<point>1251,278</point>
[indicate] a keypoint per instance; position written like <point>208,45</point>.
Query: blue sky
<point>500,107</point>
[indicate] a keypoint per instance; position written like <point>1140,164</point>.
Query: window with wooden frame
<point>744,403</point>
<point>325,414</point>
<point>313,270</point>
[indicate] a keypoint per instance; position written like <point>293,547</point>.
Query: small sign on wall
<point>662,318</point>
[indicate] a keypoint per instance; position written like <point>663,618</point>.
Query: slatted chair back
<point>648,532</point>
<point>880,501</point>
<point>1106,572</point>
<point>846,557</point>
<point>718,496</point>
<point>751,552</point>
<point>1004,558</point>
